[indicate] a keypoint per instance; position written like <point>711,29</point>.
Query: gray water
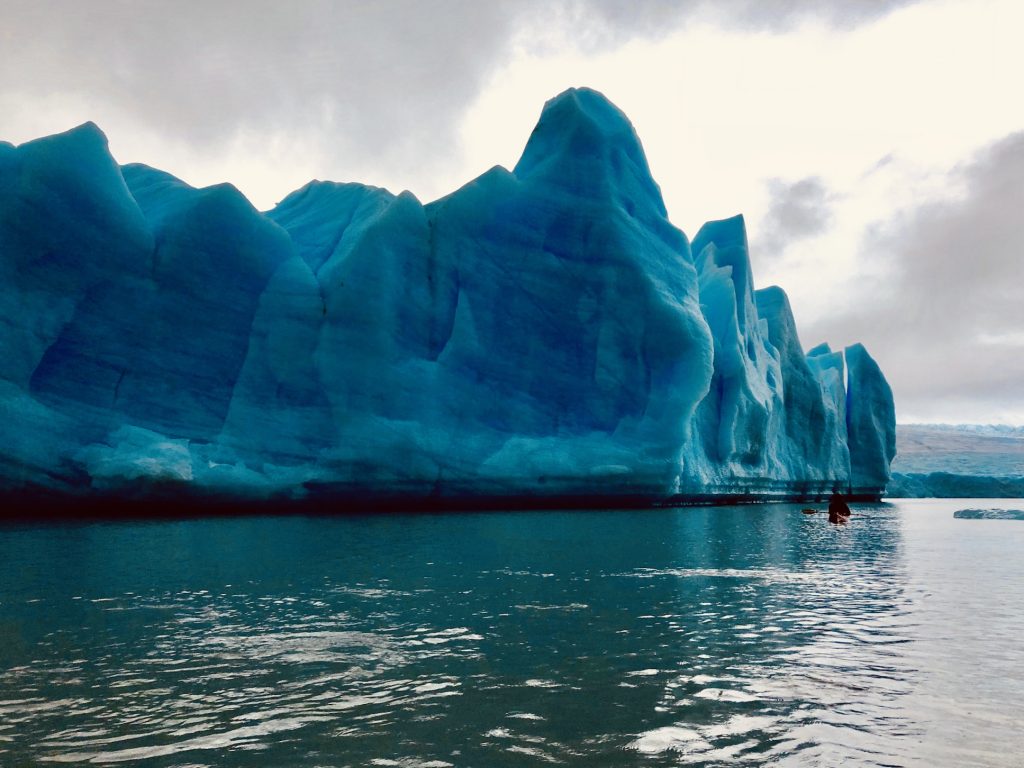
<point>707,636</point>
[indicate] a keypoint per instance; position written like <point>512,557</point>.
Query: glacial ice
<point>958,461</point>
<point>951,485</point>
<point>871,421</point>
<point>989,514</point>
<point>541,332</point>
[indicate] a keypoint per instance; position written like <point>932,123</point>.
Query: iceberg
<point>989,514</point>
<point>958,461</point>
<point>948,485</point>
<point>541,335</point>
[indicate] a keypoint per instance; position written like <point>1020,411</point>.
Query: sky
<point>875,147</point>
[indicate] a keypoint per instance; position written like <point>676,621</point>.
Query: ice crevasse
<point>539,333</point>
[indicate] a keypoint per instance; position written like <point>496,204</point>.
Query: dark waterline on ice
<point>182,503</point>
<point>745,635</point>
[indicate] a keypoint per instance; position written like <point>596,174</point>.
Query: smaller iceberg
<point>946,485</point>
<point>989,514</point>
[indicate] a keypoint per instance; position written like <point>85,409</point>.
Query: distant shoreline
<point>949,485</point>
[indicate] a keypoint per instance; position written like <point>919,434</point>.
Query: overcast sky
<point>874,146</point>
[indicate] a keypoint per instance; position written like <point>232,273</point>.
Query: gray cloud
<point>777,15</point>
<point>366,79</point>
<point>948,321</point>
<point>368,76</point>
<point>798,210</point>
<point>606,21</point>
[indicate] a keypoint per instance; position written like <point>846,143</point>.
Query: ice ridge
<point>544,333</point>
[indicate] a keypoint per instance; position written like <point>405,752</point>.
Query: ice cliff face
<point>540,332</point>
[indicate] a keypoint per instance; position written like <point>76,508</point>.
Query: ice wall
<point>870,422</point>
<point>544,331</point>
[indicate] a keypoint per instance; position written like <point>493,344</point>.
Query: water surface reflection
<point>726,636</point>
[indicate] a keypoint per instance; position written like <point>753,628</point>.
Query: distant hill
<point>963,449</point>
<point>958,460</point>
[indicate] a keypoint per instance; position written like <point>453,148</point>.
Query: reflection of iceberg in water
<point>752,635</point>
<point>790,645</point>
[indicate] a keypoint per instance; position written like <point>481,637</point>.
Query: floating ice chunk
<point>989,514</point>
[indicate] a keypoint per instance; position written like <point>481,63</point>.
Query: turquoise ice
<point>544,331</point>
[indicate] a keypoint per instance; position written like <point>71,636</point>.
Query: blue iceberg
<point>542,334</point>
<point>989,514</point>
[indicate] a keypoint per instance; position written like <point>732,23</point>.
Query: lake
<point>746,635</point>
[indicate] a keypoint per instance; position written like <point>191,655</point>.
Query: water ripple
<point>734,636</point>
